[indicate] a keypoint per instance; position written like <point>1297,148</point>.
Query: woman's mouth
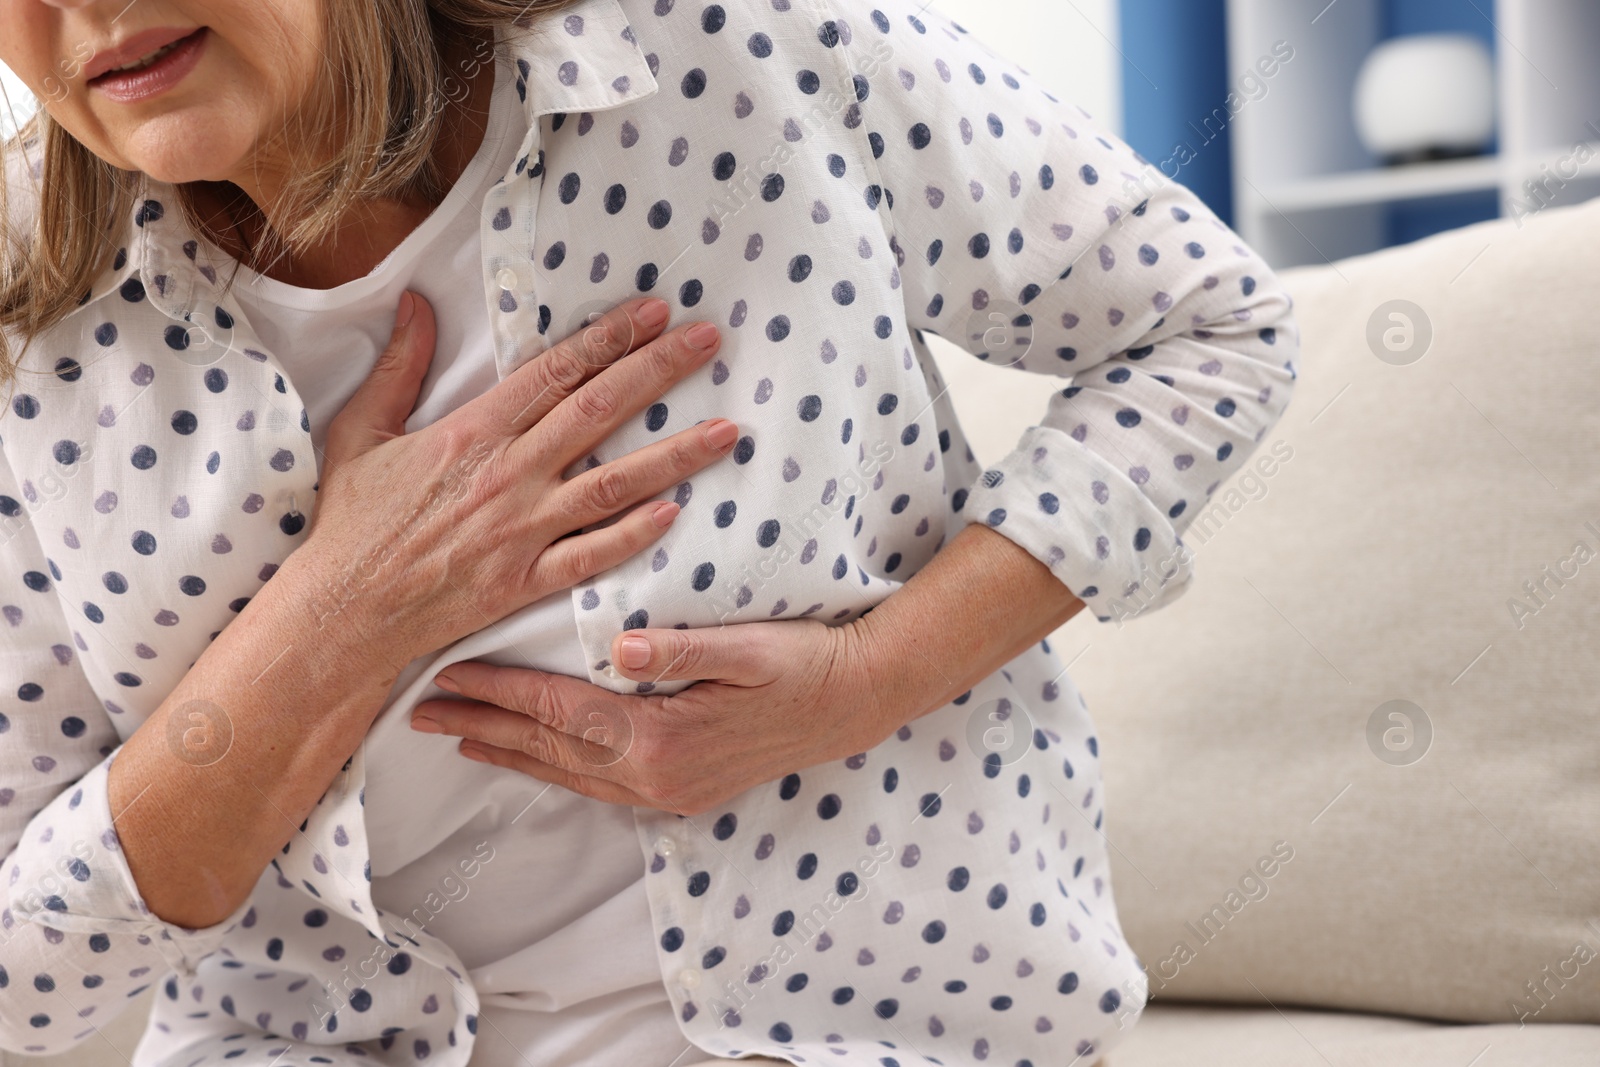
<point>144,76</point>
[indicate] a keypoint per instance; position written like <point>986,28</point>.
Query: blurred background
<point>1326,128</point>
<point>1317,128</point>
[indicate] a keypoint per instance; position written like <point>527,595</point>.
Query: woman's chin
<point>174,151</point>
<point>177,172</point>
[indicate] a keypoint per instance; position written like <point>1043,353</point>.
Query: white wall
<point>1068,45</point>
<point>16,103</point>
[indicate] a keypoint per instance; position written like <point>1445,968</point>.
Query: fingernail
<point>408,307</point>
<point>722,434</point>
<point>424,725</point>
<point>653,313</point>
<point>475,754</point>
<point>447,683</point>
<point>664,513</point>
<point>701,335</point>
<point>635,652</point>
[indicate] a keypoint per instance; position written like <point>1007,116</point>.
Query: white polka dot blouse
<point>831,181</point>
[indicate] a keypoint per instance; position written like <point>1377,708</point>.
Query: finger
<point>379,408</point>
<point>533,390</point>
<point>619,392</point>
<point>504,728</point>
<point>576,559</point>
<point>568,705</point>
<point>599,788</point>
<point>577,728</point>
<point>600,492</point>
<point>739,655</point>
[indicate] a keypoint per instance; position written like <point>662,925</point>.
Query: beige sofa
<point>1388,668</point>
<point>1434,889</point>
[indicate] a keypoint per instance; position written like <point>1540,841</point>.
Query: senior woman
<point>765,751</point>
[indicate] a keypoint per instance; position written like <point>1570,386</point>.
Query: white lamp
<point>1424,97</point>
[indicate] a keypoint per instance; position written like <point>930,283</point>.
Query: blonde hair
<point>386,58</point>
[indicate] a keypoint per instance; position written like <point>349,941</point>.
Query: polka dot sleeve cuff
<point>1038,241</point>
<point>80,941</point>
<point>76,881</point>
<point>76,941</point>
<point>1072,533</point>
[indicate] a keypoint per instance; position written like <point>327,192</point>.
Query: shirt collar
<point>582,58</point>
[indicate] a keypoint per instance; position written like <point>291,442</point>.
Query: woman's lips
<point>128,86</point>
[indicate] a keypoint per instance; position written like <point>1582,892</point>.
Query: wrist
<point>898,690</point>
<point>326,620</point>
<point>979,603</point>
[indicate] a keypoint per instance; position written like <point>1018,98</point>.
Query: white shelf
<point>1562,162</point>
<point>1374,186</point>
<point>1307,191</point>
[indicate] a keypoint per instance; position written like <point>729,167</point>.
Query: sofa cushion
<point>1187,1035</point>
<point>1357,764</point>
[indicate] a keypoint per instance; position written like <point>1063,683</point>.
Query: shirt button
<point>666,846</point>
<point>506,278</point>
<point>689,978</point>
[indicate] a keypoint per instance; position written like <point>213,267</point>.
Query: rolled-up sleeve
<point>76,940</point>
<point>1033,238</point>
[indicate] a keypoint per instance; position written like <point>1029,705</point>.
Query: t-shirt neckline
<point>462,196</point>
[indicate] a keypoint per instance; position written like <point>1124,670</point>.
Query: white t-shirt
<point>556,925</point>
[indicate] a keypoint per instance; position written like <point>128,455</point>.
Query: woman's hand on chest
<point>423,538</point>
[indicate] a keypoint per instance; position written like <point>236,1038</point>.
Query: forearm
<point>218,779</point>
<point>1005,600</point>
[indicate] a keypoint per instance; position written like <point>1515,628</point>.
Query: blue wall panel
<point>1174,81</point>
<point>1410,222</point>
<point>1440,16</point>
